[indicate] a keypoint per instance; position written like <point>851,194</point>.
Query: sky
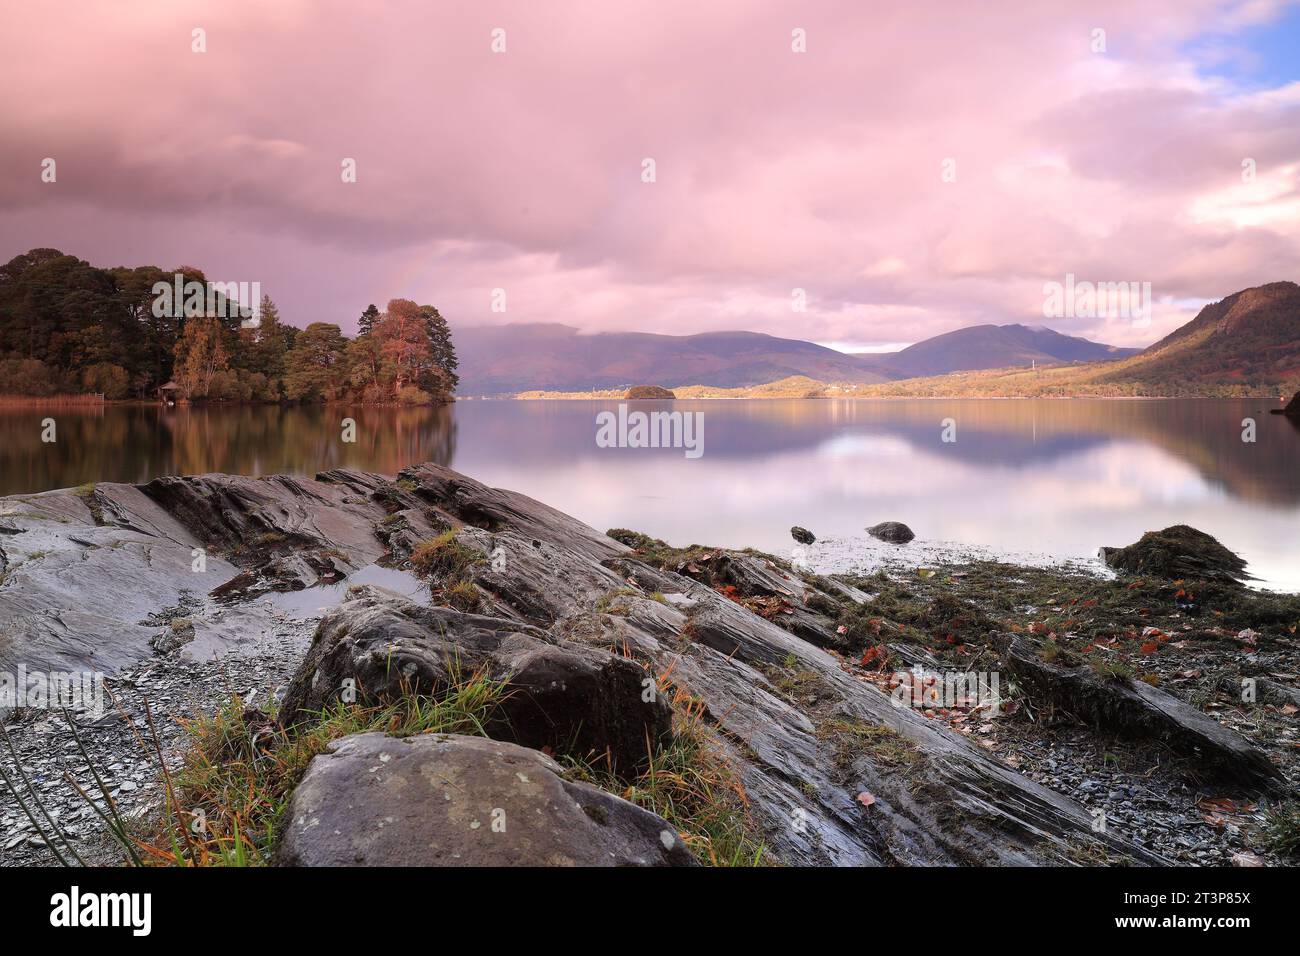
<point>918,168</point>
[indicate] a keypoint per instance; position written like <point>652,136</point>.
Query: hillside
<point>551,357</point>
<point>1245,344</point>
<point>993,346</point>
<point>548,356</point>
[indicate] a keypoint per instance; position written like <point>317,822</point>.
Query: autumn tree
<point>404,343</point>
<point>201,354</point>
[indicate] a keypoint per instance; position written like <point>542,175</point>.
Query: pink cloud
<point>775,170</point>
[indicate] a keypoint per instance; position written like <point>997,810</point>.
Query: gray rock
<point>895,532</point>
<point>1135,708</point>
<point>803,535</point>
<point>571,698</point>
<point>450,800</point>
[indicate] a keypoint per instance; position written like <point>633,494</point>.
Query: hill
<point>993,346</point>
<point>1245,344</point>
<point>549,356</point>
<point>552,357</point>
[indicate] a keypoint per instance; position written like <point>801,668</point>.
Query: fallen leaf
<point>1245,858</point>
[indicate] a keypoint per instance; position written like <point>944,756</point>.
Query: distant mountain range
<point>527,356</point>
<point>1246,344</point>
<point>992,346</point>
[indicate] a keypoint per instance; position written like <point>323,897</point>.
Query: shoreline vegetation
<point>953,385</point>
<point>72,333</point>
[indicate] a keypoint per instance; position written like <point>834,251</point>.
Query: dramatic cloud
<point>775,170</point>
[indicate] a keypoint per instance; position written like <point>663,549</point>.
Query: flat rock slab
<point>1135,708</point>
<point>451,800</point>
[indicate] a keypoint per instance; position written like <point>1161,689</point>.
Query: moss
<point>854,738</point>
<point>1177,552</point>
<point>1054,653</point>
<point>1110,669</point>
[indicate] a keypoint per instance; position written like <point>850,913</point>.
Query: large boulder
<point>803,535</point>
<point>572,698</point>
<point>1178,552</point>
<point>451,800</point>
<point>895,532</point>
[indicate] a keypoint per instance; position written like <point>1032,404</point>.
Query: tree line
<point>67,326</point>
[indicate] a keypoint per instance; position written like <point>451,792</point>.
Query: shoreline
<point>827,652</point>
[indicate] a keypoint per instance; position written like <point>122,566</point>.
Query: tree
<point>404,342</point>
<point>444,353</point>
<point>200,354</point>
<point>366,324</point>
<point>317,368</point>
<point>265,345</point>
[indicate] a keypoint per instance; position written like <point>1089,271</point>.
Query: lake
<point>1053,478</point>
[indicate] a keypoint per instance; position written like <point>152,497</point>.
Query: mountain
<point>549,356</point>
<point>1247,344</point>
<point>992,346</point>
<point>526,356</point>
<point>1251,338</point>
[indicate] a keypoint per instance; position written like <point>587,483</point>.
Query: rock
<point>640,392</point>
<point>560,588</point>
<point>803,535</point>
<point>1292,409</point>
<point>571,698</point>
<point>895,532</point>
<point>1175,553</point>
<point>450,800</point>
<point>1134,708</point>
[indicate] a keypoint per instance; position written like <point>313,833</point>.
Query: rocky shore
<point>420,669</point>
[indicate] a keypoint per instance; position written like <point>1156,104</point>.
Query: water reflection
<point>1055,477</point>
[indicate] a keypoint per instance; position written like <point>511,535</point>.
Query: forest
<point>67,328</point>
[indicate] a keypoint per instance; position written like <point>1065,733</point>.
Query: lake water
<point>1056,478</point>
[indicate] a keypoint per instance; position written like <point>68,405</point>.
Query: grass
<point>1282,829</point>
<point>443,557</point>
<point>227,801</point>
<point>448,566</point>
<point>690,783</point>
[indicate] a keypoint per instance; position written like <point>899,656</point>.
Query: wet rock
<point>1136,709</point>
<point>895,532</point>
<point>802,535</point>
<point>1177,552</point>
<point>450,800</point>
<point>378,646</point>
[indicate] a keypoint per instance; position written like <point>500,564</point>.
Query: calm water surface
<point>1057,478</point>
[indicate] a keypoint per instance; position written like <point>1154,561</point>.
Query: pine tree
<point>366,324</point>
<point>444,352</point>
